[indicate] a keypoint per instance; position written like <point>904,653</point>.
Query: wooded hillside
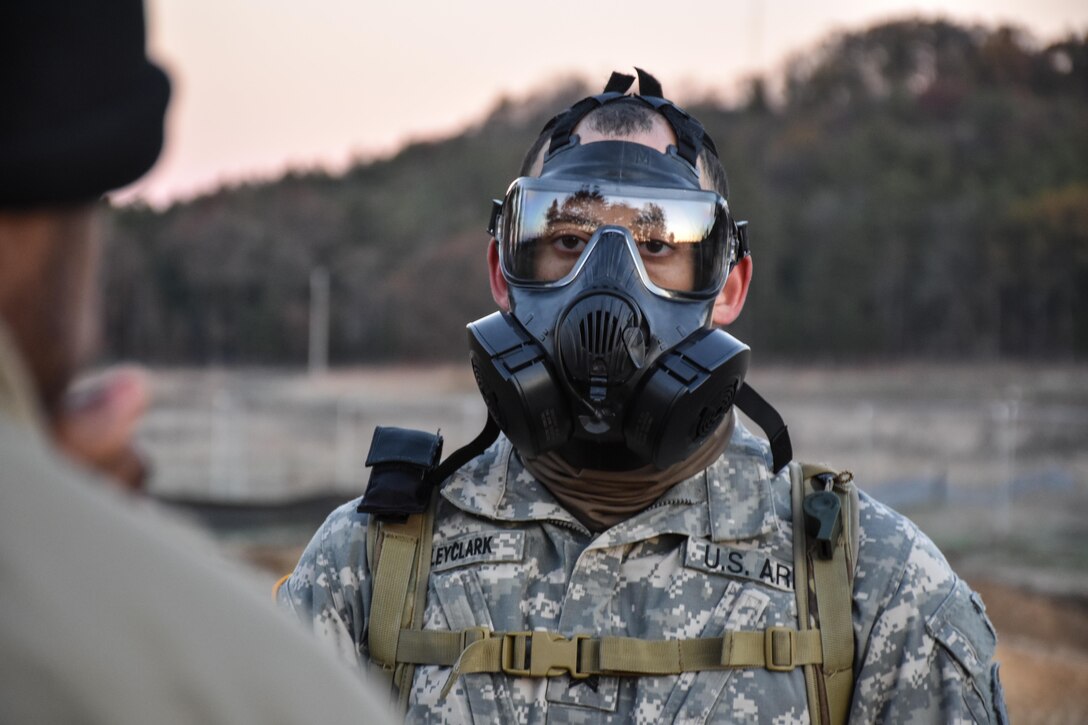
<point>919,189</point>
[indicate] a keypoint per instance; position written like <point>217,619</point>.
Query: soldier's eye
<point>655,248</point>
<point>569,243</point>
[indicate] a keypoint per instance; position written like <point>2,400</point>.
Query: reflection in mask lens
<point>682,242</point>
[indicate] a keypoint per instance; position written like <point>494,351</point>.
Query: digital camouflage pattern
<point>714,553</point>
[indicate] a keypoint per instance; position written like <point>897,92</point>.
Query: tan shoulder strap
<point>801,587</point>
<point>399,556</point>
<point>830,685</point>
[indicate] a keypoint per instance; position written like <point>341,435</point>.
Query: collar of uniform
<point>497,486</point>
<point>729,501</point>
<point>18,399</point>
<point>740,502</point>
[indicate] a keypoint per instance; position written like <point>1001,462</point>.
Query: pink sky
<point>265,85</point>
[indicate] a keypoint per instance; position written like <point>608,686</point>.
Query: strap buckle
<point>779,649</point>
<point>472,635</point>
<point>541,654</point>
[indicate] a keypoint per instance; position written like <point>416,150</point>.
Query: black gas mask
<point>613,257</point>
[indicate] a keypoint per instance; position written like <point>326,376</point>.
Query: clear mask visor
<point>684,238</point>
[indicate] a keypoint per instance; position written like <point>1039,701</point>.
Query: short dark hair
<point>621,118</point>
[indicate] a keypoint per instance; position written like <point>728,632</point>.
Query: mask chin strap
<point>766,417</point>
<point>467,452</point>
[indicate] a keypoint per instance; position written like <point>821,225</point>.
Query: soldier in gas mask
<point>627,550</point>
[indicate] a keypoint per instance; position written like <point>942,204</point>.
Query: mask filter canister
<point>686,396</point>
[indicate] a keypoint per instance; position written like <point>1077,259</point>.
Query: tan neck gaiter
<point>602,499</point>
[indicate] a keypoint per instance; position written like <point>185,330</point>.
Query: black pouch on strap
<point>401,462</point>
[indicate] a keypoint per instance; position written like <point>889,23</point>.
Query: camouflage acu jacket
<point>714,553</point>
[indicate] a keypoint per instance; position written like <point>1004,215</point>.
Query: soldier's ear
<point>499,291</point>
<point>730,300</point>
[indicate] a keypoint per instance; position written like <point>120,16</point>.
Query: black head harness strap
<point>618,83</point>
<point>691,138</point>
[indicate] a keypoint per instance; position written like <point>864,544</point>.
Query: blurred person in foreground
<point>108,614</point>
<point>627,551</point>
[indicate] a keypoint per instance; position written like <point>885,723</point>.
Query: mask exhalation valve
<point>601,344</point>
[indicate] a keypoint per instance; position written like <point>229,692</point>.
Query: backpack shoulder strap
<point>824,501</point>
<point>399,557</point>
<point>401,499</point>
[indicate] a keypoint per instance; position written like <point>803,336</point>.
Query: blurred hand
<point>98,420</point>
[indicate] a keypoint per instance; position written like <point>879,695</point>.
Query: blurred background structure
<point>917,187</point>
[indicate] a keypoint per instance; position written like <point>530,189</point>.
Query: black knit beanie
<point>81,106</point>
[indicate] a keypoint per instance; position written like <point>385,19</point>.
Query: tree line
<point>917,188</point>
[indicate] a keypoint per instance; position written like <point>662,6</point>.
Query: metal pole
<point>319,320</point>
